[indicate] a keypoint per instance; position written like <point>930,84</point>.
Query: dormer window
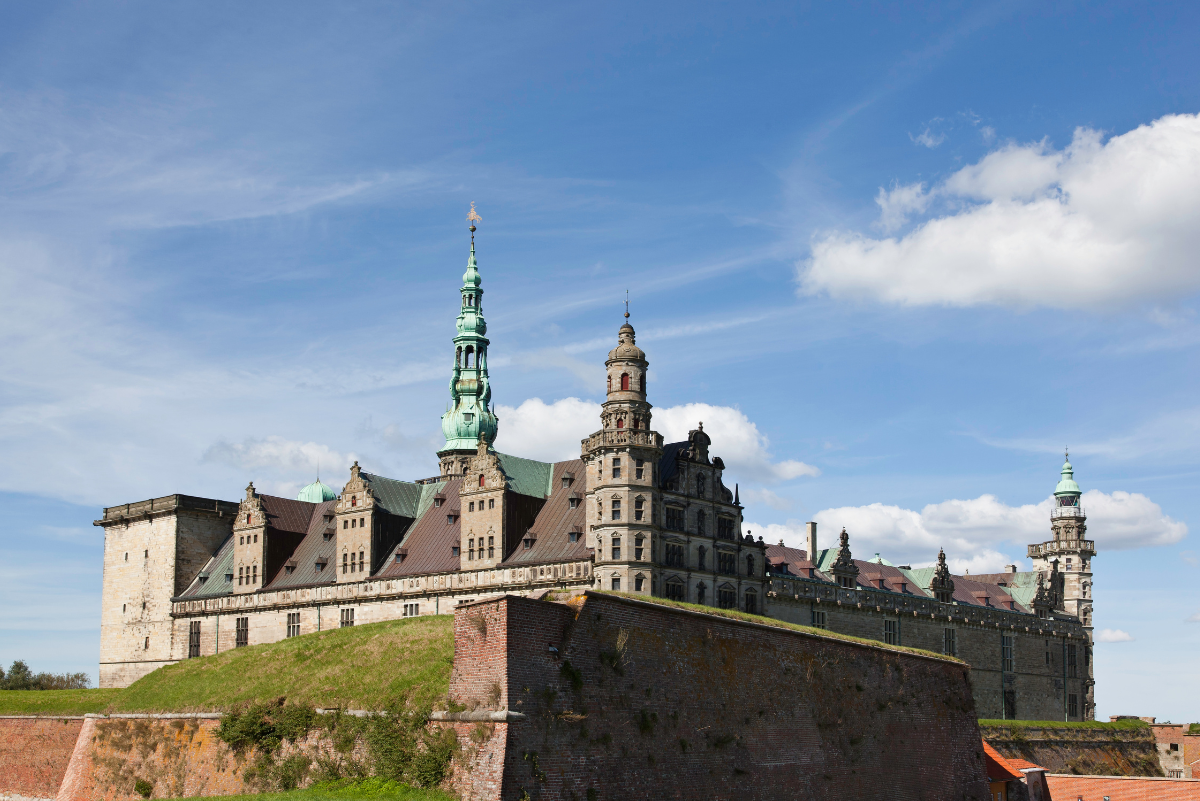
<point>437,501</point>
<point>527,542</point>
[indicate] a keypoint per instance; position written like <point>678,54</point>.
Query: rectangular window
<point>727,563</point>
<point>347,618</point>
<point>455,550</point>
<point>820,619</point>
<point>241,628</point>
<point>574,502</point>
<point>344,563</point>
<point>194,639</point>
<point>727,598</point>
<point>949,642</point>
<point>1072,706</point>
<point>675,591</point>
<point>637,549</point>
<point>891,632</point>
<point>491,548</point>
<point>255,579</point>
<point>360,561</point>
<point>293,624</point>
<point>616,548</point>
<point>673,555</point>
<point>470,550</point>
<point>239,577</point>
<point>412,610</point>
<point>637,583</point>
<point>638,504</point>
<point>1072,665</point>
<point>616,468</point>
<point>1006,653</point>
<point>471,506</point>
<point>616,509</point>
<point>674,518</point>
<point>573,536</point>
<point>725,528</point>
<point>616,583</point>
<point>491,503</point>
<point>639,466</point>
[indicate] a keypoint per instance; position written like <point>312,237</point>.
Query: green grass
<point>373,789</point>
<point>359,667</point>
<point>1060,724</point>
<point>733,614</point>
<point>55,702</point>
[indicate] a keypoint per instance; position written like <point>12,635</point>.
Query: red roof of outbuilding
<point>998,768</point>
<point>1122,788</point>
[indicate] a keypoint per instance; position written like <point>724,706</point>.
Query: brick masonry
<point>34,753</point>
<point>641,700</point>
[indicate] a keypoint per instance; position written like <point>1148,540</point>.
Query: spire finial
<point>626,304</point>
<point>472,218</point>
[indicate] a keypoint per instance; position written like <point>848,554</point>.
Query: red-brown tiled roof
<point>977,593</point>
<point>998,768</point>
<point>893,578</point>
<point>428,545</point>
<point>312,549</point>
<point>796,560</point>
<point>1023,764</point>
<point>284,514</point>
<point>556,520</point>
<point>1122,788</point>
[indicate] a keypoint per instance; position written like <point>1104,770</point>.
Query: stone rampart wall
<point>34,753</point>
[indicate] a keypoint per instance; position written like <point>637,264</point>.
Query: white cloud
<point>928,138</point>
<point>1098,224</point>
<point>552,431</point>
<point>277,453</point>
<point>982,534</point>
<point>1113,635</point>
<point>751,497</point>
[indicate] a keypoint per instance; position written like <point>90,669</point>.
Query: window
<point>147,645</point>
<point>846,582</point>
<point>345,524</point>
<point>949,642</point>
<point>891,632</point>
<point>344,557</point>
<point>573,536</point>
<point>752,602</point>
<point>574,502</point>
<point>749,565</point>
<point>638,549</point>
<point>347,618</point>
<point>491,548</point>
<point>638,508</point>
<point>491,503</point>
<point>700,593</point>
<point>353,522</point>
<point>239,576</point>
<point>727,563</point>
<point>455,550</point>
<point>616,583</point>
<point>293,624</point>
<point>616,509</point>
<point>1006,653</point>
<point>481,480</point>
<point>241,540</point>
<point>412,610</point>
<point>437,502</point>
<point>725,528</point>
<point>1072,705</point>
<point>241,629</point>
<point>362,523</point>
<point>639,468</point>
<point>701,524</point>
<point>254,580</point>
<point>700,486</point>
<point>675,590</point>
<point>360,561</point>
<point>820,619</point>
<point>194,639</point>
<point>701,553</point>
<point>624,382</point>
<point>616,548</point>
<point>673,555</point>
<point>638,581</point>
<point>674,518</point>
<point>1174,746</point>
<point>727,597</point>
<point>471,506</point>
<point>470,549</point>
<point>620,422</point>
<point>247,518</point>
<point>616,468</point>
<point>1072,666</point>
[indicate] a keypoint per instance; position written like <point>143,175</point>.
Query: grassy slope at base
<point>55,702</point>
<point>359,667</point>
<point>1059,724</point>
<point>368,790</point>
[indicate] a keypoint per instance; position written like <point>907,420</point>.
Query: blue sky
<point>894,257</point>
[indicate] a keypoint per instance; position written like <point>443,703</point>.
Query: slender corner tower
<point>470,417</point>
<point>1073,552</point>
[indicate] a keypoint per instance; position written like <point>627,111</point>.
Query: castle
<point>186,577</point>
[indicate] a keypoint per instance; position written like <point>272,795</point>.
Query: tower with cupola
<point>470,417</point>
<point>621,459</point>
<point>1070,580</point>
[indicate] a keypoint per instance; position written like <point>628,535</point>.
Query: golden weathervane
<point>473,218</point>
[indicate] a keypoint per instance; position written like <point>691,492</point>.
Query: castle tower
<point>470,416</point>
<point>1069,582</point>
<point>620,460</point>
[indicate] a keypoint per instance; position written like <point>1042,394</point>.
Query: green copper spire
<point>470,416</point>
<point>1067,490</point>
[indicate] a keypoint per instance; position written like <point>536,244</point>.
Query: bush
<point>143,788</point>
<point>20,677</point>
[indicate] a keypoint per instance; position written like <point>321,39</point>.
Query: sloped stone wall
<point>1092,752</point>
<point>34,753</point>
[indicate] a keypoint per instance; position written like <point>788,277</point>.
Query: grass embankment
<point>359,667</point>
<point>1060,724</point>
<point>368,790</point>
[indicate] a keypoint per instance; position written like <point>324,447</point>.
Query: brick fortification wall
<point>34,753</point>
<point>645,701</point>
<point>1093,752</point>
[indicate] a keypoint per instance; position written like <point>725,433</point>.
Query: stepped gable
<point>428,545</point>
<point>312,549</point>
<point>211,581</point>
<point>551,530</point>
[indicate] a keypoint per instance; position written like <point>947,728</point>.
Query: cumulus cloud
<point>1097,224</point>
<point>928,138</point>
<point>1113,635</point>
<point>552,431</point>
<point>982,534</point>
<point>278,454</point>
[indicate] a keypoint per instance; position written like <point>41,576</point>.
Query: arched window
<point>610,383</point>
<point>700,523</point>
<point>458,357</point>
<point>624,382</point>
<point>481,479</point>
<point>620,422</point>
<point>700,486</point>
<point>470,352</point>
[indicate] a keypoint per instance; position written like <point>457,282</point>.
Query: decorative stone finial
<point>942,585</point>
<point>844,567</point>
<point>250,493</point>
<point>355,470</point>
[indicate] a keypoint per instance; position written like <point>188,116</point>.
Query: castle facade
<point>186,577</point>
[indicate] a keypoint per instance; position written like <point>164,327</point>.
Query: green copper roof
<point>470,416</point>
<point>526,476</point>
<point>316,492</point>
<point>1067,486</point>
<point>402,498</point>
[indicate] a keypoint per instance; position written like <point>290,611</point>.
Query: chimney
<point>812,541</point>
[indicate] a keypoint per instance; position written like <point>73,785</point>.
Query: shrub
<point>143,788</point>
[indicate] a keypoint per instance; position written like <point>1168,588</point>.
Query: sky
<point>896,258</point>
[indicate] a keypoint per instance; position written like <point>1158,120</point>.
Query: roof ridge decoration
<point>843,567</point>
<point>470,416</point>
<point>942,585</point>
